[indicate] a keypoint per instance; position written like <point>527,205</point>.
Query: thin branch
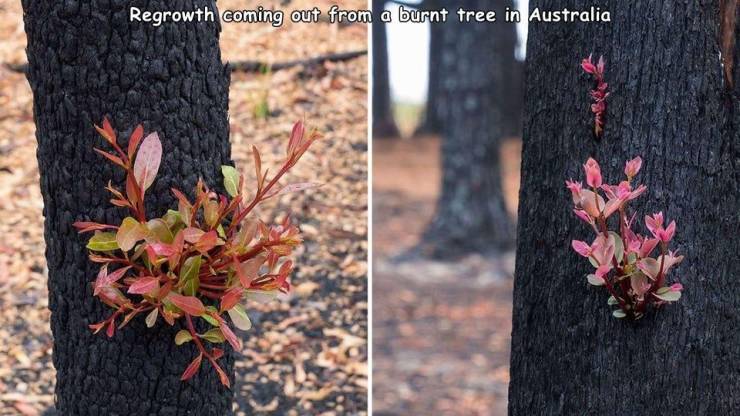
<point>256,66</point>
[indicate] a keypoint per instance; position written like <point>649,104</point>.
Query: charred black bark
<point>669,105</point>
<point>87,60</point>
<point>384,124</point>
<point>471,214</point>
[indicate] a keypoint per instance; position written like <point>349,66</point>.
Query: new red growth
<point>622,259</point>
<point>199,261</point>
<point>599,94</point>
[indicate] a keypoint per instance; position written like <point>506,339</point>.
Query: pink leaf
<point>189,304</point>
<point>144,285</point>
<point>147,161</point>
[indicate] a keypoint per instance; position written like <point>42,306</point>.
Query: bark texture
<point>87,60</point>
<point>383,125</point>
<point>669,105</point>
<point>476,60</point>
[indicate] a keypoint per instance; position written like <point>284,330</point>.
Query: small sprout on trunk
<point>208,251</point>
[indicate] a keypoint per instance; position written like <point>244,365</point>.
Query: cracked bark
<point>87,60</point>
<point>669,105</point>
<point>476,64</point>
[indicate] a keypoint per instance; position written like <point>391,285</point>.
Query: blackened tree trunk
<point>471,213</point>
<point>87,60</point>
<point>668,104</point>
<point>384,125</point>
<point>431,122</point>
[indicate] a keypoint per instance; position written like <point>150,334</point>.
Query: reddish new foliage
<point>199,261</point>
<point>622,260</point>
<point>598,94</point>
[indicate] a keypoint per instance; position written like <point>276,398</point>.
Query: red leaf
<point>111,328</point>
<point>248,270</point>
<point>217,353</point>
<point>192,368</point>
<point>147,161</point>
<point>206,242</point>
<point>97,327</point>
<point>189,304</point>
<point>133,141</point>
<point>115,159</point>
<point>231,298</point>
<point>222,376</point>
<point>86,226</point>
<point>132,190</point>
<point>144,285</point>
<point>181,197</point>
<point>229,334</point>
<point>295,137</point>
<point>104,279</point>
<point>192,234</point>
<point>162,249</point>
<point>107,131</point>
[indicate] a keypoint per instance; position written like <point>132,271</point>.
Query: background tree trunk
<point>669,105</point>
<point>476,59</point>
<point>87,60</point>
<point>384,124</point>
<point>431,122</point>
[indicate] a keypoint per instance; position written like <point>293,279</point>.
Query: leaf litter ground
<point>441,330</point>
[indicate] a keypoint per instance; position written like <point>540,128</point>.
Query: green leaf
<point>618,246</point>
<point>151,318</point>
<point>103,242</point>
<point>619,314</point>
<point>129,233</point>
<point>612,301</point>
<point>211,320</point>
<point>593,262</point>
<point>239,318</point>
<point>182,337</point>
<point>260,295</point>
<point>214,336</point>
<point>160,230</point>
<point>221,232</point>
<point>189,275</point>
<point>668,295</point>
<point>173,218</point>
<point>231,180</point>
<point>595,280</point>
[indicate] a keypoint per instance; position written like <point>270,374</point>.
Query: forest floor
<point>441,330</point>
<point>307,353</point>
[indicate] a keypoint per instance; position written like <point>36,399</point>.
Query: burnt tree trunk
<point>383,125</point>
<point>431,122</point>
<point>669,105</point>
<point>471,213</point>
<point>87,60</point>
